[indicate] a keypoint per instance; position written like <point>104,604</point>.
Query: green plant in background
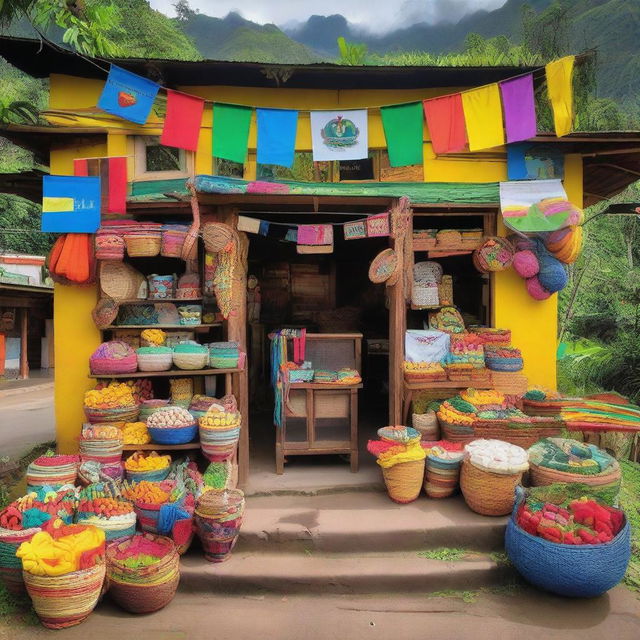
<point>445,554</point>
<point>351,53</point>
<point>630,502</point>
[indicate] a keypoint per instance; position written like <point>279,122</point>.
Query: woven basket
<point>445,291</point>
<point>300,375</point>
<point>383,266</point>
<point>67,600</point>
<point>495,254</point>
<point>542,476</point>
<point>404,480</point>
<point>104,451</point>
<point>442,476</point>
<point>181,533</point>
<point>120,281</point>
<point>218,236</point>
<point>500,430</point>
<point>427,424</point>
<point>584,571</point>
<point>173,435</point>
<point>154,475</point>
<point>109,246</point>
<point>424,294</point>
<point>145,589</point>
<point>119,414</point>
<point>10,565</point>
<point>160,361</point>
<point>427,272</point>
<point>218,518</point>
<point>114,528</point>
<point>503,364</point>
<point>190,361</point>
<point>487,493</point>
<point>143,245</point>
<point>172,243</point>
<point>105,312</point>
<point>119,358</point>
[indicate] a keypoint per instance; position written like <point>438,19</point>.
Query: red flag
<point>182,122</point>
<point>445,119</point>
<point>113,180</point>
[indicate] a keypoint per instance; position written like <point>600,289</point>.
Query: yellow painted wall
<point>533,324</point>
<point>76,336</point>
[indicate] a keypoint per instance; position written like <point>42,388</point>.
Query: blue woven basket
<point>584,571</point>
<point>504,364</point>
<point>178,435</point>
<point>156,475</point>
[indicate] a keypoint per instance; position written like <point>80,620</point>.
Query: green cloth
<point>403,130</point>
<point>231,131</point>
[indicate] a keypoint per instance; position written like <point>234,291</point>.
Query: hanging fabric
<point>128,95</point>
<point>231,124</point>
<point>182,122</point>
<point>403,129</point>
<point>250,225</point>
<point>113,181</point>
<point>315,238</point>
<point>519,108</point>
<point>483,117</point>
<point>70,204</point>
<point>559,87</point>
<point>339,135</point>
<point>276,136</point>
<point>445,119</point>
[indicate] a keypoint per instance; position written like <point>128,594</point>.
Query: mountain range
<point>610,26</point>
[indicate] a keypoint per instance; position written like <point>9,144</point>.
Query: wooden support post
<point>24,343</point>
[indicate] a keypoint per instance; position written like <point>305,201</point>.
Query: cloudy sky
<point>375,15</point>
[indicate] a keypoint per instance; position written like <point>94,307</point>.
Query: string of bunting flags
<point>317,238</point>
<point>481,118</point>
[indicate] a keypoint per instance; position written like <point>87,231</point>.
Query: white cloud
<point>374,15</point>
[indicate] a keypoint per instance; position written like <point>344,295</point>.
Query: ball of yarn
<point>536,290</point>
<point>526,264</point>
<point>552,275</point>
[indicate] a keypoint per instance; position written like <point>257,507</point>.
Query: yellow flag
<point>483,117</point>
<point>560,93</point>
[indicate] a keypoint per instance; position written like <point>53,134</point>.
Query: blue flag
<point>127,95</point>
<point>277,136</point>
<point>70,204</point>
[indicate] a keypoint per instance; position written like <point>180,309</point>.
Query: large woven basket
<point>114,528</point>
<point>159,361</point>
<point>120,281</point>
<point>218,236</point>
<point>115,415</point>
<point>383,266</point>
<point>173,435</point>
<point>145,589</point>
<point>67,600</point>
<point>179,530</point>
<point>105,312</point>
<point>143,245</point>
<point>442,477</point>
<point>500,430</point>
<point>487,493</point>
<point>109,246</point>
<point>427,424</point>
<point>404,480</point>
<point>10,565</point>
<point>584,571</point>
<point>542,476</point>
<point>218,518</point>
<point>172,243</point>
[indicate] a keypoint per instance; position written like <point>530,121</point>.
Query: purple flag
<point>519,108</point>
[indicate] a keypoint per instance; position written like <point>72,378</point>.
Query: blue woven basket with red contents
<point>584,571</point>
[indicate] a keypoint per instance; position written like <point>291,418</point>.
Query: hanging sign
<point>355,230</point>
<point>356,169</point>
<point>378,225</point>
<point>339,135</point>
<point>113,181</point>
<point>70,204</point>
<point>182,122</point>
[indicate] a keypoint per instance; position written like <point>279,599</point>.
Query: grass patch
<point>444,553</point>
<point>500,557</point>
<point>15,611</point>
<point>8,482</point>
<point>468,597</point>
<point>630,502</point>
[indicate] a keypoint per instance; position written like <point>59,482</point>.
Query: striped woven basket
<point>67,600</point>
<point>218,518</point>
<point>143,245</point>
<point>487,493</point>
<point>144,589</point>
<point>10,565</point>
<point>191,361</point>
<point>427,425</point>
<point>114,528</point>
<point>542,476</point>
<point>442,476</point>
<point>181,533</point>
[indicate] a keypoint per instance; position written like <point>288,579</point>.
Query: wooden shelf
<point>446,384</point>
<point>161,447</point>
<point>156,300</point>
<point>186,327</point>
<point>172,373</point>
<point>324,385</point>
<point>466,247</point>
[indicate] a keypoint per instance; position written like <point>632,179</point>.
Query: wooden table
<point>317,407</point>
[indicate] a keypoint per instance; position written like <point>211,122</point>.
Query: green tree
<point>351,53</point>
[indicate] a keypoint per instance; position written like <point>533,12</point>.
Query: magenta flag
<point>519,108</point>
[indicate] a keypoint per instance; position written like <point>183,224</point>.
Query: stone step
<point>361,522</point>
<point>292,573</point>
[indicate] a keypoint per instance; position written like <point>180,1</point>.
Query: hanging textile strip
<point>519,108</point>
<point>483,117</point>
<point>559,76</point>
<point>231,131</point>
<point>276,136</point>
<point>182,122</point>
<point>113,180</point>
<point>403,128</point>
<point>445,119</point>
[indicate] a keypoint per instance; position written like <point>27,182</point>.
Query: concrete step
<point>291,573</point>
<point>362,522</point>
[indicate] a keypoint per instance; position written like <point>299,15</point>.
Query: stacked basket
<point>172,425</point>
<point>142,245</point>
<point>173,237</point>
<point>154,358</point>
<point>52,471</point>
<point>143,586</point>
<point>10,565</point>
<point>190,356</point>
<point>503,358</point>
<point>442,472</point>
<point>224,355</point>
<point>219,433</point>
<point>112,358</point>
<point>218,518</point>
<point>426,278</point>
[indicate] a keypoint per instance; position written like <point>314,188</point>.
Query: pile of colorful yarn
<point>224,355</point>
<point>153,337</point>
<point>583,521</point>
<point>38,506</point>
<point>447,319</point>
<point>349,376</point>
<point>457,411</point>
<point>424,371</point>
<point>113,403</point>
<point>113,516</point>
<point>565,244</point>
<point>52,470</point>
<point>147,466</point>
<point>397,444</point>
<point>601,415</point>
<point>141,388</point>
<point>62,549</point>
<point>325,376</point>
<point>218,475</point>
<point>135,433</point>
<point>571,456</point>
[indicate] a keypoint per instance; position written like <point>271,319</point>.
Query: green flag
<point>403,130</point>
<point>231,131</point>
